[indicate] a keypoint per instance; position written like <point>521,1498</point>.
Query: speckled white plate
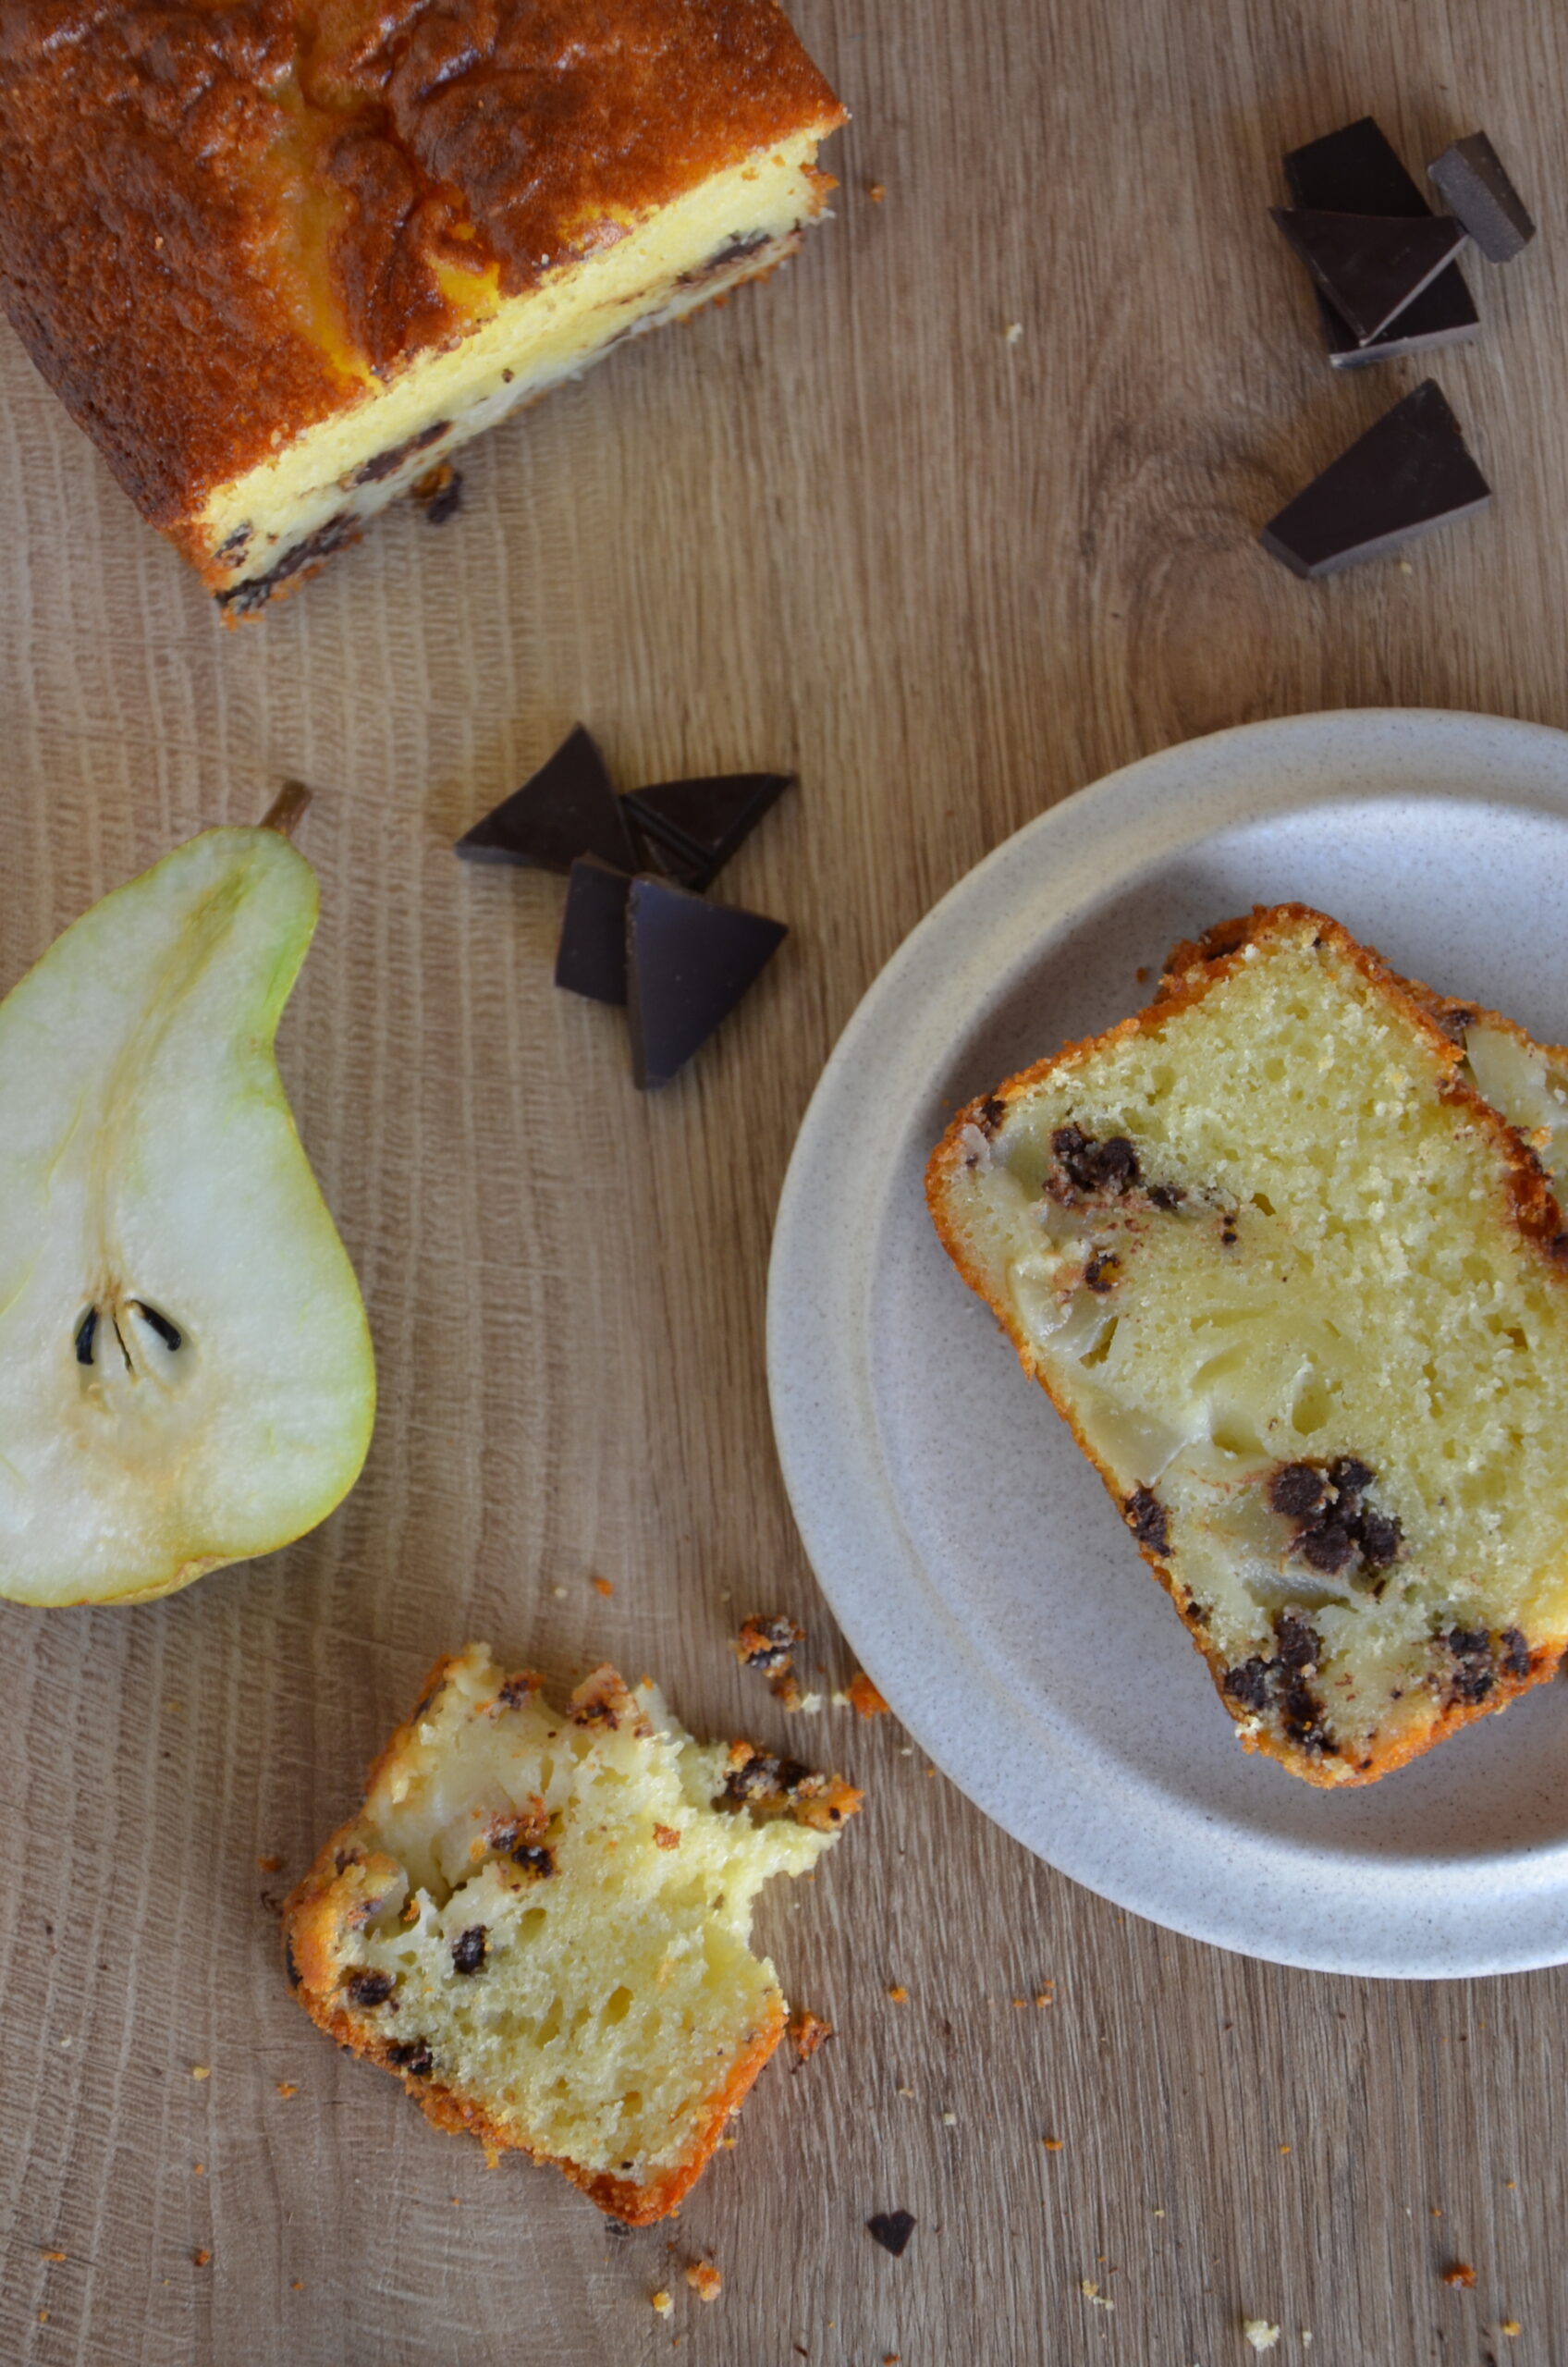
<point>972,1556</point>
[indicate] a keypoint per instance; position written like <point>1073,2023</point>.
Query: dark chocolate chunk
<point>1296,1490</point>
<point>693,826</point>
<point>568,808</point>
<point>1147,1519</point>
<point>1406,475</point>
<point>1248,1683</point>
<point>1300,1645</point>
<point>1381,1538</point>
<point>992,1112</point>
<point>687,964</point>
<point>1356,171</point>
<point>892,2230</point>
<point>1091,1166</point>
<point>1103,1271</point>
<point>1327,1548</point>
<point>257,590</point>
<point>367,1989</point>
<point>1350,1476</point>
<point>439,493</point>
<point>413,2056</point>
<point>1371,265</point>
<point>534,1859</point>
<point>591,958</point>
<point>468,1949</point>
<point>289,1966</point>
<point>1167,1197</point>
<point>1474,1672</point>
<point>386,464</point>
<point>1471,178</point>
<point>1516,1653</point>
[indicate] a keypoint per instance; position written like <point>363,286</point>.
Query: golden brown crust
<point>1192,969</point>
<point>226,220</point>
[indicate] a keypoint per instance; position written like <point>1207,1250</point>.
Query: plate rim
<point>1081,830</point>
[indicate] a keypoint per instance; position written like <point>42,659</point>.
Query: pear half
<point>186,1375</point>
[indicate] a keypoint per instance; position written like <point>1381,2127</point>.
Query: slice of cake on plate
<point>1283,1250</point>
<point>540,1919</point>
<point>279,262</point>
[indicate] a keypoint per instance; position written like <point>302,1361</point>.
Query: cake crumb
<point>1459,2272</point>
<point>297,2286</point>
<point>1510,2326</point>
<point>270,1865</point>
<point>704,2280</point>
<point>897,1992</point>
<point>1054,2144</point>
<point>663,2301</point>
<point>287,2088</point>
<point>199,2258</point>
<point>807,2031</point>
<point>51,2256</point>
<point>1260,2334</point>
<point>1012,332</point>
<point>602,1586</point>
<point>201,2070</point>
<point>863,1698</point>
<point>875,191</point>
<point>1090,2292</point>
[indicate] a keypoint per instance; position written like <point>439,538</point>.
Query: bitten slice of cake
<point>279,262</point>
<point>1283,1251</point>
<point>540,1919</point>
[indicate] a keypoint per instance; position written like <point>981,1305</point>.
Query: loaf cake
<point>540,1919</point>
<point>280,261</point>
<point>1283,1250</point>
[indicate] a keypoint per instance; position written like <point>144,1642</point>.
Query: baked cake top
<point>219,220</point>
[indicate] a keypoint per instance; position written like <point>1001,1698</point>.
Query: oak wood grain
<point>844,525</point>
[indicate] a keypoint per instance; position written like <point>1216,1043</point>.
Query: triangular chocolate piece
<point>696,825</point>
<point>567,808</point>
<point>1354,170</point>
<point>1371,265</point>
<point>1405,475</point>
<point>591,958</point>
<point>1470,176</point>
<point>687,964</point>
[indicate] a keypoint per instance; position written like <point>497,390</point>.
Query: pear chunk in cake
<point>540,1919</point>
<point>1283,1250</point>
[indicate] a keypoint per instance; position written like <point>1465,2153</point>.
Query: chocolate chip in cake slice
<point>1409,473</point>
<point>1354,170</point>
<point>693,826</point>
<point>590,957</point>
<point>687,964</point>
<point>1371,265</point>
<point>568,808</point>
<point>1469,174</point>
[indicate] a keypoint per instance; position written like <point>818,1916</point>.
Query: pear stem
<point>283,813</point>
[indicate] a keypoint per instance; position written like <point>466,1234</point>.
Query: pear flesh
<point>186,1374</point>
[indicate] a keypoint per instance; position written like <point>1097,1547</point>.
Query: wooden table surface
<point>844,525</point>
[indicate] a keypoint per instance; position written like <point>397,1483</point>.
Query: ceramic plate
<point>972,1558</point>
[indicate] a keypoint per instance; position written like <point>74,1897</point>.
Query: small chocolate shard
<point>687,964</point>
<point>535,1859</point>
<point>568,808</point>
<point>1147,1519</point>
<point>468,1949</point>
<point>892,2230</point>
<point>1297,1489</point>
<point>1371,265</point>
<point>1247,1684</point>
<point>1409,473</point>
<point>413,2056</point>
<point>1475,1668</point>
<point>439,493</point>
<point>1354,170</point>
<point>590,957</point>
<point>1515,1656</point>
<point>1093,1166</point>
<point>1300,1644</point>
<point>693,826</point>
<point>1470,176</point>
<point>367,1989</point>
